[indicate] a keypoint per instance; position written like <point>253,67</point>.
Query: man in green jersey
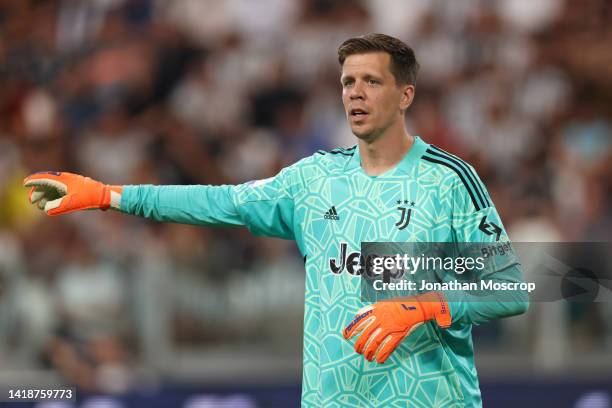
<point>390,187</point>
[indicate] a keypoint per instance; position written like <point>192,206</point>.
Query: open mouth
<point>358,113</point>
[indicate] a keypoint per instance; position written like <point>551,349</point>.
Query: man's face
<point>372,99</point>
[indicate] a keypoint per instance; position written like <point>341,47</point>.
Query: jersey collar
<point>405,166</point>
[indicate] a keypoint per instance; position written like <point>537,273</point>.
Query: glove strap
<point>435,306</point>
<point>111,197</point>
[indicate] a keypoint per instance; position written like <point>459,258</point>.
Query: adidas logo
<point>331,214</point>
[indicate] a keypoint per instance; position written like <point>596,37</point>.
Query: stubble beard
<point>367,137</point>
<point>370,135</point>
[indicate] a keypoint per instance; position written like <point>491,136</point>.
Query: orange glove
<point>61,193</point>
<point>385,324</point>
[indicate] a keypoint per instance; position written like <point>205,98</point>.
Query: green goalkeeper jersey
<point>329,206</point>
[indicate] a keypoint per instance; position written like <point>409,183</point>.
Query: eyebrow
<point>370,76</point>
<point>366,77</point>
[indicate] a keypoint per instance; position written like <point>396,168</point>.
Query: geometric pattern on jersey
<point>334,203</point>
<point>329,206</point>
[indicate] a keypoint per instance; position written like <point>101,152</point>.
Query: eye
<point>372,82</point>
<point>347,83</point>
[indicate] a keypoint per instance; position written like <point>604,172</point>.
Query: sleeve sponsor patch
<point>257,183</point>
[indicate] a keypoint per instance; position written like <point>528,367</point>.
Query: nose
<point>357,91</point>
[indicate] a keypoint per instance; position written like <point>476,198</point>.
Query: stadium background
<point>203,91</point>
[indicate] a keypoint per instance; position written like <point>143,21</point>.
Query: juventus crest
<point>405,213</point>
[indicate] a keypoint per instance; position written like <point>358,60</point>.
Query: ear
<point>406,97</point>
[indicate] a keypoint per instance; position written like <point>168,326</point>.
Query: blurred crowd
<point>214,92</point>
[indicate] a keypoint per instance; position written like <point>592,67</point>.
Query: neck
<point>385,152</point>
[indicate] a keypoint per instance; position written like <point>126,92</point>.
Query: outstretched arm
<point>264,206</point>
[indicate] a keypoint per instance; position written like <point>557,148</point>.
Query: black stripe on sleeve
<point>468,171</point>
<point>456,170</point>
<point>473,180</point>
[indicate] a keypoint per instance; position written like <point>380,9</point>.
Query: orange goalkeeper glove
<point>60,193</point>
<point>385,324</point>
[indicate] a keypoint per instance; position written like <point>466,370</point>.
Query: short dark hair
<point>404,65</point>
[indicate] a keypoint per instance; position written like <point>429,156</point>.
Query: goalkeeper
<point>390,187</point>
